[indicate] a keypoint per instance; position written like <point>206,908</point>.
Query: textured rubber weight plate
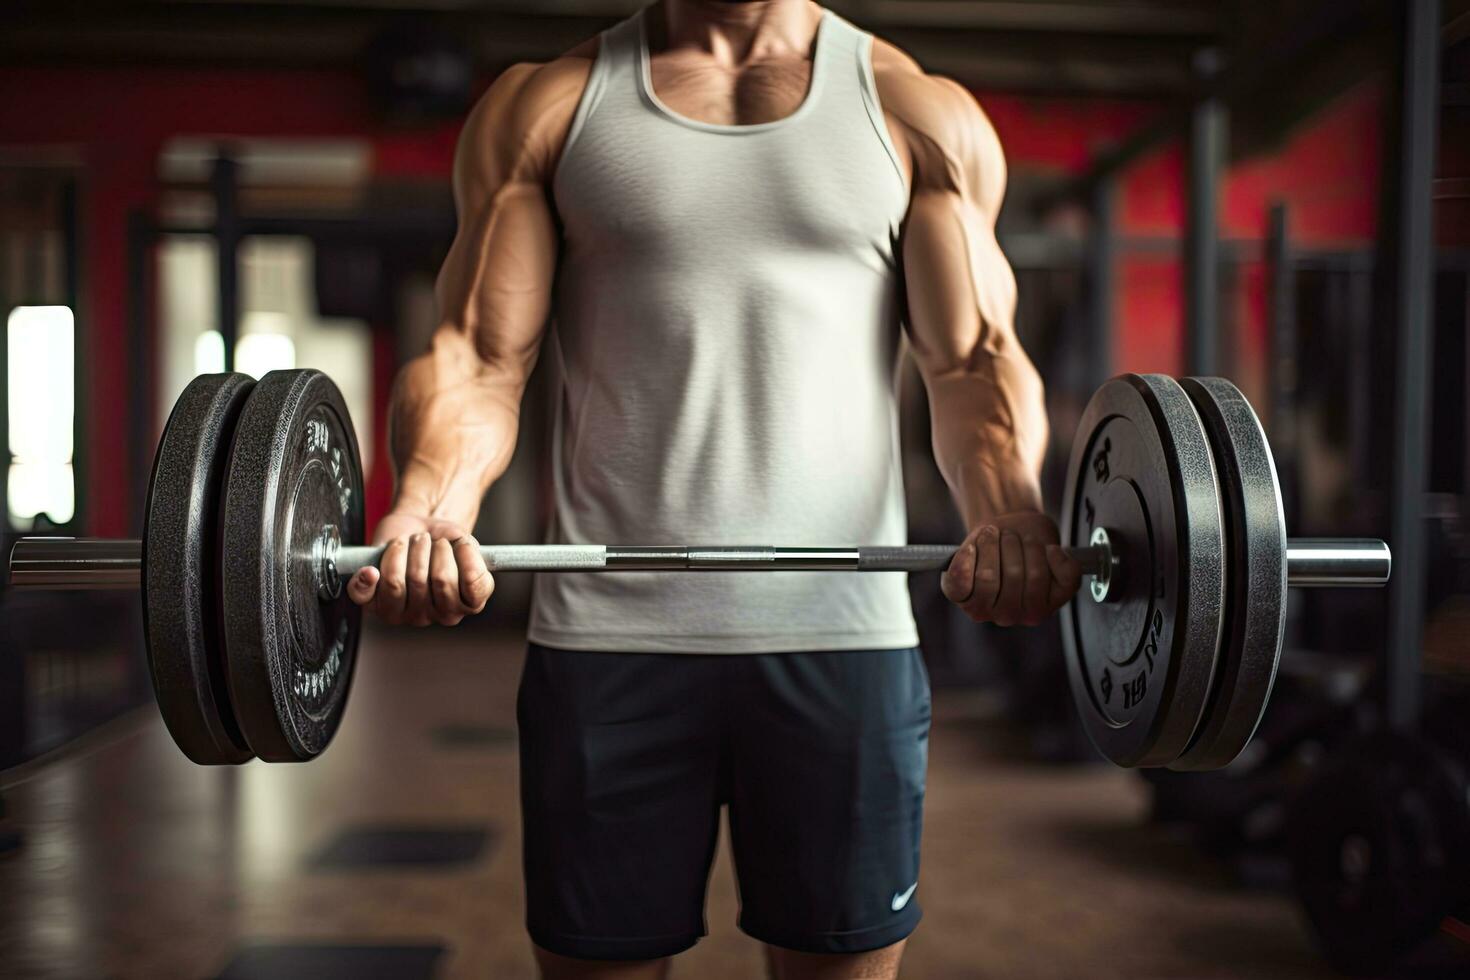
<point>1380,839</point>
<point>1255,563</point>
<point>294,470</point>
<point>181,564</point>
<point>1141,663</point>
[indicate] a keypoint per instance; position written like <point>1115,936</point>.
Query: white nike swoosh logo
<point>901,899</point>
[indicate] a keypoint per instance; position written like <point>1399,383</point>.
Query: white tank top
<point>727,329</point>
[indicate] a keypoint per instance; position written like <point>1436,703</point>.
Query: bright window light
<point>42,399</point>
<point>209,353</point>
<point>257,353</point>
<point>41,345</point>
<point>41,488</point>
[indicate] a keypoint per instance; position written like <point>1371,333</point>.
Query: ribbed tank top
<point>727,330</point>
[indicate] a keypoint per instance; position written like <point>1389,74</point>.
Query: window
<point>279,323</point>
<point>40,341</point>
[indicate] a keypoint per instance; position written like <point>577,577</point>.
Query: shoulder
<point>523,118</point>
<point>939,119</point>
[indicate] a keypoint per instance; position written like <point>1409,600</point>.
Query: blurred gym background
<point>1279,193</point>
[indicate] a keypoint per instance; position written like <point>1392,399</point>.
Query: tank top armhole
<point>875,108</point>
<point>591,95</point>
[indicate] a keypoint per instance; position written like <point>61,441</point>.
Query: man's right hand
<point>431,571</point>
<point>1012,570</point>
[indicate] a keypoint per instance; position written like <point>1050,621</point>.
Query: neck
<point>736,31</point>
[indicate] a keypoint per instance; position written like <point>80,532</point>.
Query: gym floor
<point>402,842</point>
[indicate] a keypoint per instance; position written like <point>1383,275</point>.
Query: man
<point>730,212</point>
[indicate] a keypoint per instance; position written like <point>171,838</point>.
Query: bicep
<point>494,289</point>
<point>960,288</point>
<point>495,286</point>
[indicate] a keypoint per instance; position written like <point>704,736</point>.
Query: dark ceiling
<point>1130,48</point>
<point>1283,57</point>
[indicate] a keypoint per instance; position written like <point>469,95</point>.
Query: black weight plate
<point>181,570</point>
<point>1255,588</point>
<point>1380,840</point>
<point>1142,661</point>
<point>294,469</point>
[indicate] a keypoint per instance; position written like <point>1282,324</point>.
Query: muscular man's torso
<point>726,309</point>
<point>726,325</point>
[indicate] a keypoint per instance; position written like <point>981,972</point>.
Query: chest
<point>658,188</point>
<point>699,87</point>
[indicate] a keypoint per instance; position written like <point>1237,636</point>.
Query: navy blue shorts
<point>626,760</point>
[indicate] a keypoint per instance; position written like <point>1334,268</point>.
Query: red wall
<point>118,120</point>
<point>1326,173</point>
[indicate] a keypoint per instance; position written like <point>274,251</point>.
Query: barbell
<point>254,518</point>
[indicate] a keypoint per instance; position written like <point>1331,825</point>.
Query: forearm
<point>452,427</point>
<point>990,431</point>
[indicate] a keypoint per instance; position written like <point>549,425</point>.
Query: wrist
<point>989,491</point>
<point>428,500</point>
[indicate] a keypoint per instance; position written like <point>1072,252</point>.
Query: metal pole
<point>140,351</point>
<point>1337,562</point>
<point>1101,252</point>
<point>76,563</point>
<point>81,563</point>
<point>71,224</point>
<point>224,183</point>
<point>1208,133</point>
<point>1408,265</point>
<point>1282,361</point>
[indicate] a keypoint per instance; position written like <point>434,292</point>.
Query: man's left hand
<point>1012,570</point>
